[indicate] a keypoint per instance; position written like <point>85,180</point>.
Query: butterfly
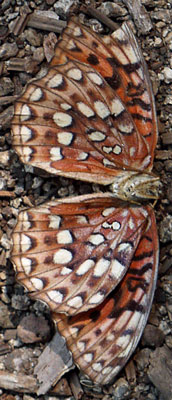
<point>92,258</point>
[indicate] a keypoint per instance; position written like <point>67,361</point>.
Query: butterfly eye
<point>93,258</point>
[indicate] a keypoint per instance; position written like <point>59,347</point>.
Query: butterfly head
<point>136,187</point>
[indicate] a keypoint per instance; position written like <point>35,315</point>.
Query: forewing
<point>72,253</point>
<point>118,58</point>
<point>103,339</point>
<point>72,123</point>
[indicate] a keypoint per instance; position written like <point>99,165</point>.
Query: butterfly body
<point>138,187</point>
<point>94,258</point>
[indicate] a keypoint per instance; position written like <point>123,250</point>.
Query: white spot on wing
<point>26,133</point>
<point>126,128</point>
<point>74,331</point>
<point>119,34</point>
<point>27,151</point>
<point>77,31</point>
<point>146,161</point>
<point>36,95</point>
<point>37,283</point>
<point>75,73</point>
<point>107,149</point>
<point>123,341</point>
<point>132,151</point>
<point>26,224</point>
<point>95,78</point>
<point>117,149</point>
<point>55,296</point>
<point>116,226</point>
<point>26,264</point>
<point>107,370</point>
<point>116,268</point>
<point>106,225</point>
<point>71,45</point>
<point>144,212</point>
<point>97,367</point>
<point>62,256</point>
<point>62,119</point>
<point>76,302</point>
<point>88,357</point>
<point>96,298</point>
<point>101,267</point>
<point>26,243</point>
<point>116,370</point>
<point>126,351</point>
<point>81,219</point>
<point>25,113</point>
<point>85,110</point>
<point>56,81</point>
<point>97,136</point>
<point>66,271</point>
<point>82,156</point>
<point>85,267</point>
<point>131,223</point>
<point>110,336</point>
<point>65,138</point>
<point>54,221</point>
<point>96,239</point>
<point>106,162</point>
<point>65,106</point>
<point>108,211</point>
<point>125,213</point>
<point>64,237</point>
<point>101,109</point>
<point>116,107</point>
<point>55,154</point>
<point>125,247</point>
<point>81,346</point>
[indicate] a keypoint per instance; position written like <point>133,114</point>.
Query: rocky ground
<point>26,30</point>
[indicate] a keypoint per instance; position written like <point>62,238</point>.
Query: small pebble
<point>152,336</point>
<point>33,329</point>
<point>8,50</point>
<point>121,389</point>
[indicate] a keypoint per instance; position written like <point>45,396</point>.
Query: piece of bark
<point>102,17</point>
<point>38,21</point>
<point>17,382</point>
<point>140,15</point>
<point>53,363</point>
<point>33,329</point>
<point>130,371</point>
<point>163,154</point>
<point>28,384</point>
<point>62,388</point>
<point>19,24</point>
<point>160,371</point>
<point>166,138</point>
<point>6,193</point>
<point>49,44</point>
<point>26,64</point>
<point>75,385</point>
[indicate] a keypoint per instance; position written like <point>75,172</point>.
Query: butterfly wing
<point>103,339</point>
<point>118,58</point>
<point>73,253</point>
<point>72,123</point>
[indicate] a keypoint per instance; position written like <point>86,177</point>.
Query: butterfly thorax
<point>132,186</point>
